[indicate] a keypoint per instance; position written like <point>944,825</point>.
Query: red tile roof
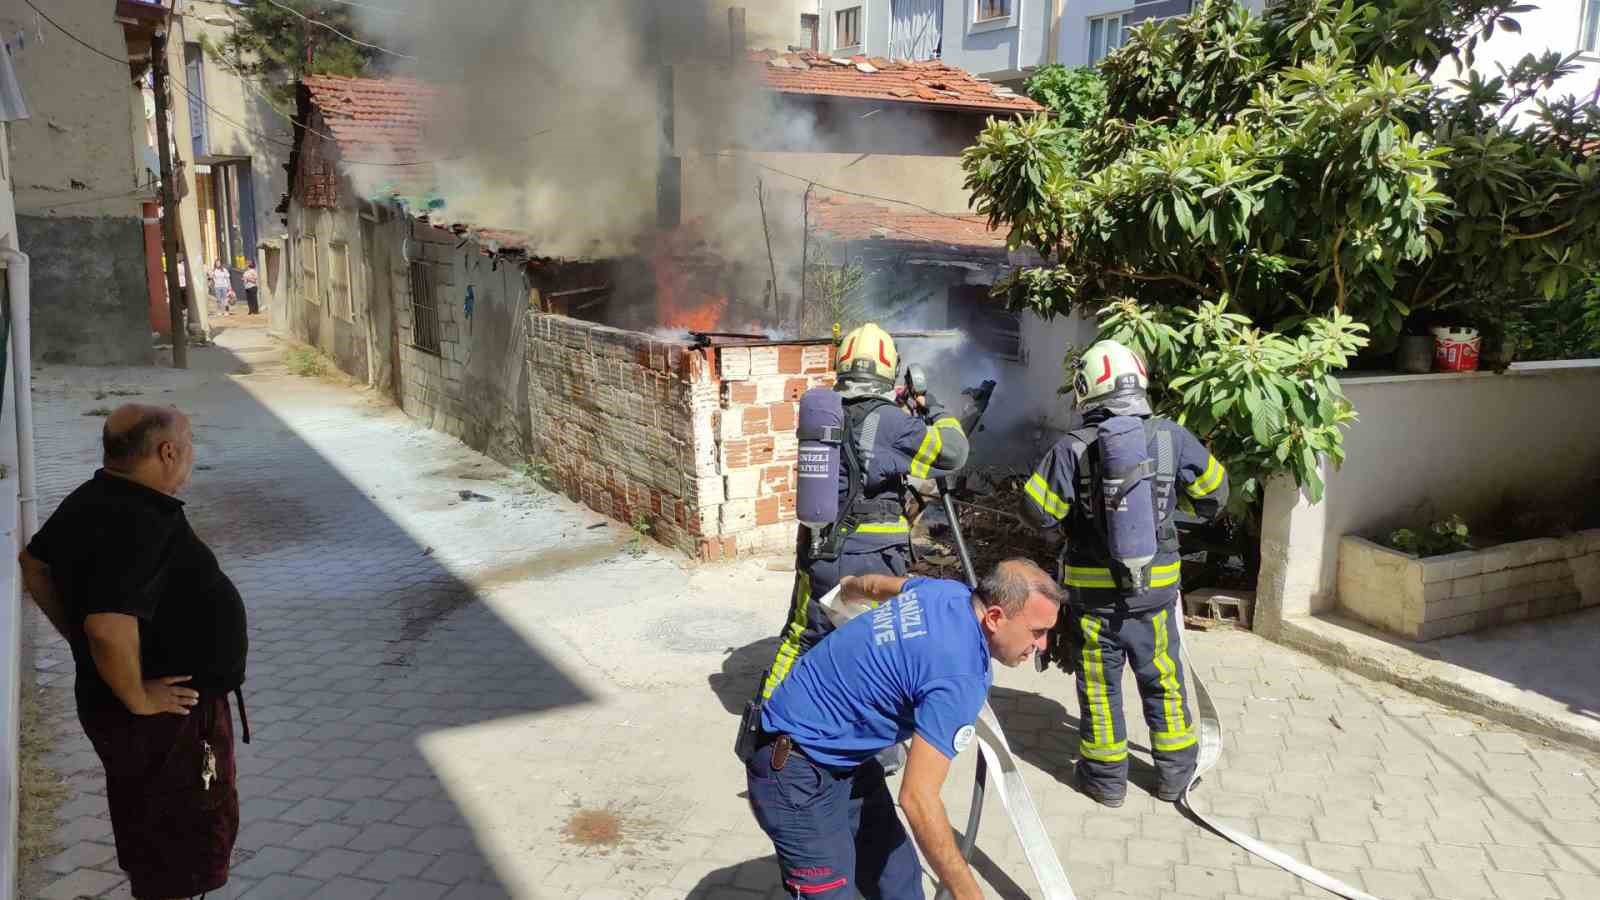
<point>930,83</point>
<point>374,120</point>
<point>849,219</point>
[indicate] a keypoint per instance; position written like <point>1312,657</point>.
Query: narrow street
<point>461,685</point>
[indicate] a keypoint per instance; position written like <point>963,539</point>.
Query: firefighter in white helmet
<point>1112,487</point>
<point>883,444</point>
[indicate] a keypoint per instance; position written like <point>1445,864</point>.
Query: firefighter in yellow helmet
<point>1112,487</point>
<point>886,439</point>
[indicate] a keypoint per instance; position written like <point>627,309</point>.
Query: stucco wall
<point>241,123</point>
<point>1426,447</point>
<point>90,301</point>
<point>76,179</point>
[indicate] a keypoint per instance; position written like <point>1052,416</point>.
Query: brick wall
<point>698,442</point>
<point>758,401</point>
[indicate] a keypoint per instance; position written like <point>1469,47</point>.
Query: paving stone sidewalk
<point>458,697</point>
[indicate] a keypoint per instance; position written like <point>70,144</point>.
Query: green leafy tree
<point>1262,196</point>
<point>1306,163</point>
<point>278,46</point>
<point>1076,99</point>
<point>1263,402</point>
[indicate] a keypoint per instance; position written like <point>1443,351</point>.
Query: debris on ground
<point>41,790</point>
<point>474,495</point>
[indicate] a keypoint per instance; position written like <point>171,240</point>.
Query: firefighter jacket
<point>1056,493</point>
<point>891,444</point>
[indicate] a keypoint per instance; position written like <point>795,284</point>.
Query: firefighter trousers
<point>1150,642</point>
<point>808,622</point>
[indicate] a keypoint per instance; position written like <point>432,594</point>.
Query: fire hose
<point>995,752</point>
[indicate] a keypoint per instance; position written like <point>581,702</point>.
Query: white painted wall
<point>1553,25</point>
<point>1426,447</point>
<point>242,122</point>
<point>76,155</point>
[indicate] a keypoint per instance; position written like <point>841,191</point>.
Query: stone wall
<point>476,386</point>
<point>91,304</point>
<point>697,442</point>
<point>1455,593</point>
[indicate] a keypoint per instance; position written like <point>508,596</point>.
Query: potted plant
<point>1414,355</point>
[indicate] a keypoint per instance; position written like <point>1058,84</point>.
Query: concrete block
<point>742,485</point>
<point>1438,568</point>
<point>1497,580</point>
<point>1494,560</point>
<point>734,362</point>
<point>770,390</point>
<point>1438,628</point>
<point>1466,587</point>
<point>1591,540</point>
<point>737,515</point>
<point>730,425</point>
<point>708,491</point>
<point>763,361</point>
<point>1466,564</point>
<point>1586,578</point>
<point>1452,607</point>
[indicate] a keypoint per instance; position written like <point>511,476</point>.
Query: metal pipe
<point>980,778</point>
<point>22,390</point>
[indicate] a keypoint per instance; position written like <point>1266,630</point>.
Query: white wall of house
<point>1563,26</point>
<point>1427,447</point>
<point>241,123</point>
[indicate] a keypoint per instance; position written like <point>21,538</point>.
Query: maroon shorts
<point>174,835</point>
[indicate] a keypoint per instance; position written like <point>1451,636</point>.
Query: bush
<point>1448,536</point>
<point>1264,402</point>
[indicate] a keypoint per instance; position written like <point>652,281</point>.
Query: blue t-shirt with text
<point>916,664</point>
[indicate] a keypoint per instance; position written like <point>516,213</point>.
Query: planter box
<point>1423,599</point>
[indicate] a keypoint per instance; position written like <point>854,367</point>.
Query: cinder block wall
<point>700,443</point>
<point>756,444</point>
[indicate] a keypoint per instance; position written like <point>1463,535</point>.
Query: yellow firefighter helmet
<point>869,350</point>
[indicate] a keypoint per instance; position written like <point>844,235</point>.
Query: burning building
<point>654,368</point>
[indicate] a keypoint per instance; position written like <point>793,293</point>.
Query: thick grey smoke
<point>552,120</point>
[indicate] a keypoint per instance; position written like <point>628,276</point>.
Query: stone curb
<point>1349,646</point>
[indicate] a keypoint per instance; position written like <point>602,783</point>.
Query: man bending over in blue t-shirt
<point>915,667</point>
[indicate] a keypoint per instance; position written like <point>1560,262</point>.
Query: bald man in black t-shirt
<point>158,637</point>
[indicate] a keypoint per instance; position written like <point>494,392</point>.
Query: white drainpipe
<point>22,390</point>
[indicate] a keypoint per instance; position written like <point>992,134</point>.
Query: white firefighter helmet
<point>1109,371</point>
<point>869,350</point>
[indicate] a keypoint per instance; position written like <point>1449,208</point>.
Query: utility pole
<point>177,309</point>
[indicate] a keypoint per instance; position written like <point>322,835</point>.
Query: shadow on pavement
<point>363,641</point>
<point>762,875</point>
<point>1053,748</point>
<point>741,669</point>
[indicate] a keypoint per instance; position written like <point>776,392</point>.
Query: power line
<point>383,9</point>
<point>121,61</point>
<point>840,190</point>
<point>229,119</point>
<point>294,12</point>
<point>226,118</point>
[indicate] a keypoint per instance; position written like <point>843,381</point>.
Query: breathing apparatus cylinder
<point>1127,501</point>
<point>820,429</point>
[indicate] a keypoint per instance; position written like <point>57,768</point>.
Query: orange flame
<point>684,296</point>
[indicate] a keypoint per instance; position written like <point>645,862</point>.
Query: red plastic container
<point>1456,349</point>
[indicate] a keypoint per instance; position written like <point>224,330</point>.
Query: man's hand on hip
<point>167,695</point>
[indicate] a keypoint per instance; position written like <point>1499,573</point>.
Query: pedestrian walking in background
<point>221,284</point>
<point>158,640</point>
<point>251,282</point>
